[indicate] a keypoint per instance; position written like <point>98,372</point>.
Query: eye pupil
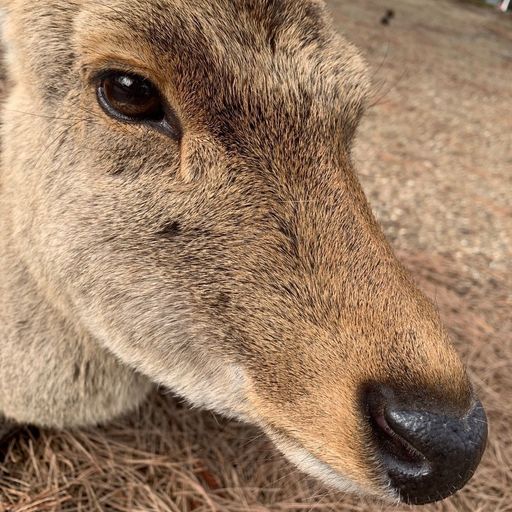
<point>130,97</point>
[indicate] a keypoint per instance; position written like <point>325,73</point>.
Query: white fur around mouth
<point>320,470</point>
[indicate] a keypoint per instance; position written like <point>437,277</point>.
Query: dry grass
<point>167,457</point>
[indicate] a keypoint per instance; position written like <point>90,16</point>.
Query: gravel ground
<point>435,150</point>
<point>434,154</point>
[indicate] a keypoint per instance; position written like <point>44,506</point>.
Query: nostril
<point>395,447</point>
<point>427,454</point>
<point>393,443</point>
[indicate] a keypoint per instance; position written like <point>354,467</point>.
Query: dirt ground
<point>435,156</point>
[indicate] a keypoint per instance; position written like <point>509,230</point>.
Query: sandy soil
<point>435,157</point>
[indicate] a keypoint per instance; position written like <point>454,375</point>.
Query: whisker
<point>44,116</point>
<point>378,100</point>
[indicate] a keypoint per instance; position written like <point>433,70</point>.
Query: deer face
<point>181,186</point>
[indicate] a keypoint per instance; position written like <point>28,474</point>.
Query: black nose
<point>428,454</point>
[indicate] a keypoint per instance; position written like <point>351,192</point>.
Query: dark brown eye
<point>130,97</point>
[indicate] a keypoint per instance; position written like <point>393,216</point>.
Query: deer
<point>179,207</point>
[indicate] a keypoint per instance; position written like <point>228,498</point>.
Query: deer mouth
<point>312,465</point>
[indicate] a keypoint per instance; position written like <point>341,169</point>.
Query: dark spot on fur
<point>292,241</point>
<point>313,27</point>
<point>222,301</point>
<point>289,288</point>
<point>87,369</point>
<point>277,19</point>
<point>171,230</point>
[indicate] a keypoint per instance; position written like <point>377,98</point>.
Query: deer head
<point>180,180</point>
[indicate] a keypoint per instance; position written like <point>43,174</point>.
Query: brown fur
<point>242,267</point>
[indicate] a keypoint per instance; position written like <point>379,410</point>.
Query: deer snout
<point>427,452</point>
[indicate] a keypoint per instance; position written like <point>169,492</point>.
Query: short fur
<point>240,267</point>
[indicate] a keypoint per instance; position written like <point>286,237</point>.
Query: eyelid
<point>94,72</point>
<point>101,75</point>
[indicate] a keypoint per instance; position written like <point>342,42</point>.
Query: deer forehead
<point>268,51</point>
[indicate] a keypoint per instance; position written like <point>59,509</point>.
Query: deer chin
<point>217,387</point>
<point>205,382</point>
<point>308,463</point>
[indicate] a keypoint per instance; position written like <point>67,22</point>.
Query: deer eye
<point>130,97</point>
